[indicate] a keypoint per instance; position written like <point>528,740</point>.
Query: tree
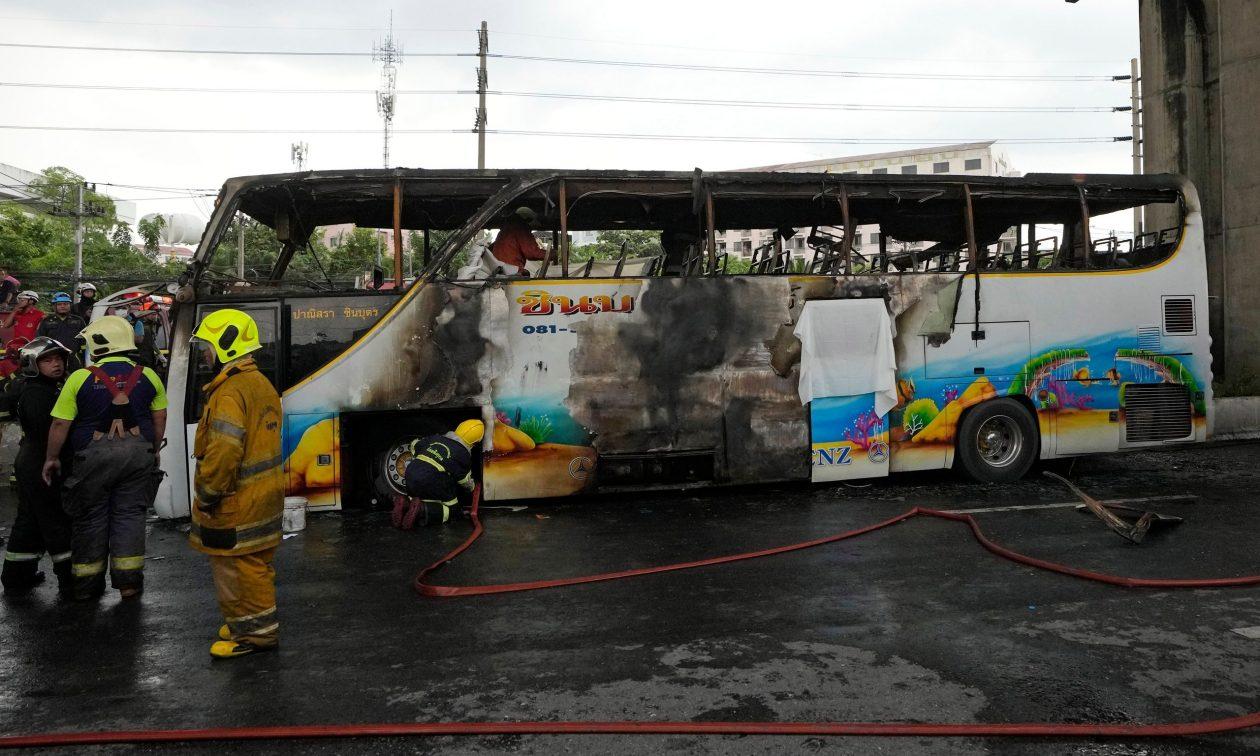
<point>608,245</point>
<point>37,239</point>
<point>437,240</point>
<point>151,232</point>
<point>121,237</point>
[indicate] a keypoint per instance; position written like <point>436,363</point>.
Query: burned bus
<point>996,323</point>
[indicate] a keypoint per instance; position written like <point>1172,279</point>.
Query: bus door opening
<point>848,381</point>
<point>375,450</point>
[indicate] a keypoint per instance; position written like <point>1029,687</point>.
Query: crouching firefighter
<point>239,484</point>
<point>439,468</point>
<point>114,414</point>
<point>41,524</point>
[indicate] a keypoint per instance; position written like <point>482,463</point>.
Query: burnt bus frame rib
<point>294,204</point>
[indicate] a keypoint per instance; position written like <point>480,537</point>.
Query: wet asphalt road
<point>913,623</point>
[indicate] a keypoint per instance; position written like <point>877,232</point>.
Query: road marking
<point>1066,504</point>
<point>1248,632</point>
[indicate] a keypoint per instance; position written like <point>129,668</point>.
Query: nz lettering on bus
<point>836,455</point>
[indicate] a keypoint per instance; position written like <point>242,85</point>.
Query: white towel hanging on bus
<point>847,350</point>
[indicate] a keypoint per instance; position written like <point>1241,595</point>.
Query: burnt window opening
<point>378,232</point>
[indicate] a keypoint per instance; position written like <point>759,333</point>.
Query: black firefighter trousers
<point>108,494</point>
<point>41,526</point>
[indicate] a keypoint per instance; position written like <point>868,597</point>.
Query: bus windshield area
<point>382,230</point>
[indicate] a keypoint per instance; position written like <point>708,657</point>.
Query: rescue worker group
<point>87,471</point>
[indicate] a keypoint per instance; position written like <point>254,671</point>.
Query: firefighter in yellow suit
<point>239,484</point>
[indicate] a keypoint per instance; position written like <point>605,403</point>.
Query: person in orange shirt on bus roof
<point>515,243</point>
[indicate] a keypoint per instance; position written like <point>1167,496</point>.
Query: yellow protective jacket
<point>239,484</point>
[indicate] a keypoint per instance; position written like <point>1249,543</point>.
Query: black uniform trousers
<point>41,526</point>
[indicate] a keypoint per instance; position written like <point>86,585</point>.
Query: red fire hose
<point>939,729</point>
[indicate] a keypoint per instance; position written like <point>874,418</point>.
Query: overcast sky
<point>1002,37</point>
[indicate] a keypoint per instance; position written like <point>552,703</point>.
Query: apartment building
<point>974,159</point>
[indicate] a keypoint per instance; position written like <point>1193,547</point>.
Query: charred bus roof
<point>446,199</point>
<point>909,208</point>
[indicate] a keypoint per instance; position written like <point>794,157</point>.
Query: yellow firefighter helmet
<point>471,432</point>
<point>107,335</point>
<point>232,333</point>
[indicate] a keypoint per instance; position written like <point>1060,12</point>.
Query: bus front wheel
<point>997,441</point>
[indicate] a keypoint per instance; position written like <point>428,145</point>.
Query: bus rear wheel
<point>997,441</point>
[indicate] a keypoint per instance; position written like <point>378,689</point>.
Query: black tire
<point>997,441</point>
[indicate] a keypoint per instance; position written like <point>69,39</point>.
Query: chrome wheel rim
<point>999,441</point>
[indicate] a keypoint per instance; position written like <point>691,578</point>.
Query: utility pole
<point>240,246</point>
<point>389,54</point>
<point>82,209</point>
<point>483,47</point>
<point>78,237</point>
<point>1135,103</point>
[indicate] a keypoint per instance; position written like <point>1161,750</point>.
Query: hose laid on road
<point>921,730</point>
<point>425,588</point>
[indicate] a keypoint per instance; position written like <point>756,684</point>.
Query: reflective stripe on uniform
<point>446,507</point>
<point>262,623</point>
<point>19,556</point>
<point>227,429</point>
<point>431,461</point>
<point>87,569</point>
<point>123,564</point>
<point>59,558</point>
<point>249,534</point>
<point>249,471</point>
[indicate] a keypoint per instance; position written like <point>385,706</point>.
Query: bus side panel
<point>431,352</point>
<point>1069,345</point>
<point>664,366</point>
<point>312,457</point>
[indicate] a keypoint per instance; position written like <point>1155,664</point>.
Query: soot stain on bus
<point>683,374</point>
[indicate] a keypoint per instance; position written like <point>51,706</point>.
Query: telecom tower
<point>299,153</point>
<point>389,54</point>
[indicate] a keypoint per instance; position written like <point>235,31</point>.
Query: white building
<point>13,188</point>
<point>973,159</point>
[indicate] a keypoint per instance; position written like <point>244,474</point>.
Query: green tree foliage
<point>151,232</point>
<point>37,239</point>
<point>358,252</point>
<point>608,245</point>
<point>437,240</point>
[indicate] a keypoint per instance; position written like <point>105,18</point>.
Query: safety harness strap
<point>118,389</point>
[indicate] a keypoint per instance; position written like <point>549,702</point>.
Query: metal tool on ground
<point>1135,532</point>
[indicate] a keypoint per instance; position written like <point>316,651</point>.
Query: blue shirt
<point>86,401</point>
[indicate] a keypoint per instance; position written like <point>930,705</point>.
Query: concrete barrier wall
<point>1237,417</point>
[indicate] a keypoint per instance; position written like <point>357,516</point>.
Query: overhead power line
<point>896,108</point>
<point>183,51</point>
<point>924,76</point>
<point>578,134</point>
<point>735,103</point>
<point>805,140</point>
<point>41,184</point>
<point>170,25</point>
<point>819,72</point>
<point>533,35</point>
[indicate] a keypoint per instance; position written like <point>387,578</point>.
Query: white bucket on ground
<point>294,514</point>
